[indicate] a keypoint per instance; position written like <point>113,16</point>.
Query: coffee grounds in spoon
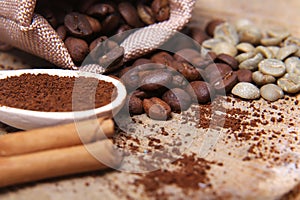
<point>49,93</point>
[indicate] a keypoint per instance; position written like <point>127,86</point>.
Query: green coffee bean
<point>290,83</point>
<point>226,48</point>
<point>262,79</point>
<point>252,63</point>
<point>245,47</point>
<point>227,32</point>
<point>293,65</point>
<point>272,67</point>
<point>271,92</point>
<point>286,51</point>
<point>246,90</point>
<point>264,51</point>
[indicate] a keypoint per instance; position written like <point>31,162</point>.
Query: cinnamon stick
<point>58,162</point>
<point>56,137</point>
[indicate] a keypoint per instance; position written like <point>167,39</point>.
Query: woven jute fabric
<point>22,28</point>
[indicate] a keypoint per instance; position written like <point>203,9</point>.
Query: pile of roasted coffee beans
<point>238,60</point>
<point>82,25</point>
<point>166,82</point>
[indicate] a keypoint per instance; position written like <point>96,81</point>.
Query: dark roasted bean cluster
<point>82,25</point>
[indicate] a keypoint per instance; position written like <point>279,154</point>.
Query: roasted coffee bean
<point>95,24</point>
<point>216,71</point>
<point>161,9</point>
<point>135,105</point>
<point>163,58</point>
<point>77,48</point>
<point>189,72</point>
<point>85,5</point>
<point>100,10</point>
<point>141,61</point>
<point>210,27</point>
<point>62,32</point>
<point>178,99</point>
<point>199,35</point>
<point>97,42</point>
<point>201,62</point>
<point>155,80</point>
<point>123,28</point>
<point>157,109</point>
<point>143,73</point>
<point>246,91</point>
<point>150,67</point>
<point>200,91</point>
<point>142,94</point>
<point>229,60</point>
<point>130,79</point>
<point>204,60</point>
<point>78,25</point>
<point>179,81</point>
<point>244,75</point>
<point>123,71</point>
<point>130,15</point>
<point>210,55</point>
<point>186,55</point>
<point>176,65</point>
<point>226,83</point>
<point>122,33</point>
<point>102,48</point>
<point>112,59</point>
<point>50,17</point>
<point>146,14</point>
<point>111,23</point>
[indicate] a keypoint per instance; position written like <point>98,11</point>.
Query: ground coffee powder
<point>48,93</point>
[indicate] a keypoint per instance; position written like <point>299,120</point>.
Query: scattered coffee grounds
<point>190,174</point>
<point>293,194</point>
<point>47,93</point>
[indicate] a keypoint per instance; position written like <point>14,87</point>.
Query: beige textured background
<point>266,13</point>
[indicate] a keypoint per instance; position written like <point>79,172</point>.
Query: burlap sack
<point>26,30</point>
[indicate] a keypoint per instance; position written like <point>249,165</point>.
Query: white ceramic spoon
<point>28,119</point>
